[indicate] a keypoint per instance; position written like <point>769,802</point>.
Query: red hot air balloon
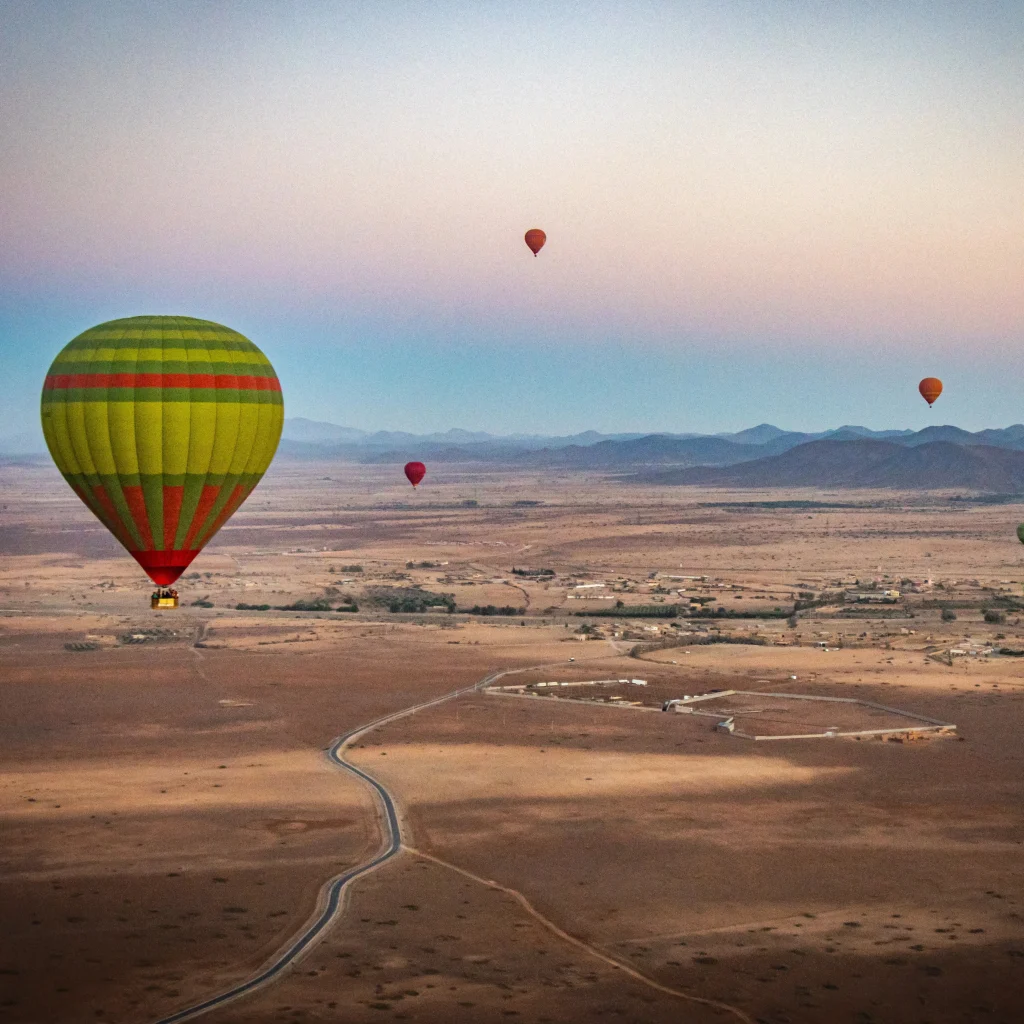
<point>415,471</point>
<point>930,388</point>
<point>535,239</point>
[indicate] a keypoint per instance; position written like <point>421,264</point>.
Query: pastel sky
<point>783,210</point>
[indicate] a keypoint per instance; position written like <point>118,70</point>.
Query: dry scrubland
<point>168,815</point>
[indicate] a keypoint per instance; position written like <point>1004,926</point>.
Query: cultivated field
<point>169,815</point>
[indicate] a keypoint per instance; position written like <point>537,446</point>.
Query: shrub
<point>994,615</point>
<point>636,611</point>
<point>404,600</point>
<point>319,604</point>
<point>252,607</point>
<point>948,615</point>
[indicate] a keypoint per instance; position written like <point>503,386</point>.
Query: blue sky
<point>757,211</point>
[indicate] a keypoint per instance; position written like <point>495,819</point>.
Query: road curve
<point>331,900</point>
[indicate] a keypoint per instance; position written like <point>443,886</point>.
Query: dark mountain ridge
<point>932,465</point>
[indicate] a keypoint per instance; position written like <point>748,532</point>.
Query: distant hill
<point>932,465</point>
<point>652,450</point>
<point>761,434</point>
<point>591,449</point>
<point>939,456</point>
<point>315,432</point>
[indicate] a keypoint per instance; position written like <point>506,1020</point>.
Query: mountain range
<point>865,463</point>
<point>936,457</point>
<point>762,456</point>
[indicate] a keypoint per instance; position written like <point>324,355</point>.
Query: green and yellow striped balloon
<point>163,425</point>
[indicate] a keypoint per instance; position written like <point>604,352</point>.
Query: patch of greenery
<point>318,604</point>
<point>635,611</point>
<point>252,607</point>
<point>406,600</point>
<point>490,609</point>
<point>721,612</point>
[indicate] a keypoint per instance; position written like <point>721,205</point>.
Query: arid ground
<point>168,813</point>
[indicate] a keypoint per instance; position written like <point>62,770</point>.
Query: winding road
<point>332,897</point>
<point>331,900</point>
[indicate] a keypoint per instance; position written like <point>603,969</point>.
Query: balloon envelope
<point>415,472</point>
<point>535,239</point>
<point>930,388</point>
<point>162,425</point>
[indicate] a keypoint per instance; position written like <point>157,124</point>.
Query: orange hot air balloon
<point>535,239</point>
<point>930,388</point>
<point>415,472</point>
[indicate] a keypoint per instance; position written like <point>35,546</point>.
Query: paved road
<point>332,895</point>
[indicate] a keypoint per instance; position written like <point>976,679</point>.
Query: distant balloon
<point>535,239</point>
<point>1020,533</point>
<point>415,471</point>
<point>162,425</point>
<point>930,388</point>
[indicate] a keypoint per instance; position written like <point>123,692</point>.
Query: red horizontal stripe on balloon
<point>160,380</point>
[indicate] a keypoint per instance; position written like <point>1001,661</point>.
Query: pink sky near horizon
<point>698,168</point>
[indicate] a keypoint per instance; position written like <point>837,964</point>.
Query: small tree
<point>948,615</point>
<point>993,615</point>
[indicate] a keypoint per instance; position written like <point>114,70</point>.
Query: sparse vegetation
<point>317,604</point>
<point>636,611</point>
<point>721,612</point>
<point>405,600</point>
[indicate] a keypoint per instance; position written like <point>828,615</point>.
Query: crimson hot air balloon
<point>930,388</point>
<point>535,239</point>
<point>162,425</point>
<point>415,471</point>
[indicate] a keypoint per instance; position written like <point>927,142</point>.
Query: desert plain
<point>169,814</point>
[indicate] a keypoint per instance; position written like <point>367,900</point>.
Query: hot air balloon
<point>415,472</point>
<point>162,425</point>
<point>535,239</point>
<point>1020,533</point>
<point>930,388</point>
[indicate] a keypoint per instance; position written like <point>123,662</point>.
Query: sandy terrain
<point>169,816</point>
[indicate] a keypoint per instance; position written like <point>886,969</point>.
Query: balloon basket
<point>162,601</point>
